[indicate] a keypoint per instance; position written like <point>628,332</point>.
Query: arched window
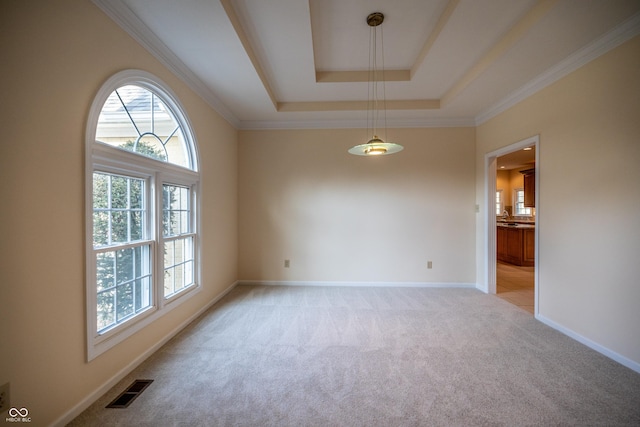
<point>136,119</point>
<point>142,193</point>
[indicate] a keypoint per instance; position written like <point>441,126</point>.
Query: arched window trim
<point>153,84</point>
<point>105,158</point>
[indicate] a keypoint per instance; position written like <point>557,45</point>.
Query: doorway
<point>516,282</point>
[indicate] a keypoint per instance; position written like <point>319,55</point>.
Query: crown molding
<point>614,38</point>
<point>129,22</point>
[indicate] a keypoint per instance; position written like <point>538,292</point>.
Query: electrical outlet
<point>5,400</point>
<point>287,263</point>
<point>429,264</point>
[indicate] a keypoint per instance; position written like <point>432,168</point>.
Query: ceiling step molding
<point>444,122</point>
<point>396,104</point>
<point>614,38</point>
<point>361,76</point>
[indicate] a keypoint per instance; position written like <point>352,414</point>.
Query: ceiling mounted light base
<point>375,19</point>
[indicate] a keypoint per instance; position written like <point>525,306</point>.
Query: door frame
<point>490,176</point>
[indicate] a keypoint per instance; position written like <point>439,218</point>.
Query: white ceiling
<point>293,63</point>
<point>517,159</point>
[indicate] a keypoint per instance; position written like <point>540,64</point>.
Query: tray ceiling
<point>302,63</point>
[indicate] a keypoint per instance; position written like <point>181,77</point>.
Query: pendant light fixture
<point>375,146</point>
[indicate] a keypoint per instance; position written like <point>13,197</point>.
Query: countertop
<point>511,224</point>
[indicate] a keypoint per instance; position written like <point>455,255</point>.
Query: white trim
<point>490,258</point>
<point>536,234</point>
<point>103,157</point>
<point>635,366</point>
<point>488,285</point>
<point>614,38</point>
<point>153,84</point>
<point>192,186</point>
<point>357,284</point>
<point>100,391</point>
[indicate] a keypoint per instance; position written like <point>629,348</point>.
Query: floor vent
<point>130,394</point>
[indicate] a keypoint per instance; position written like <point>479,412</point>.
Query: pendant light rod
<point>375,146</point>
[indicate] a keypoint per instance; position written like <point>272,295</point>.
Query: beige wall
<point>503,182</point>
<point>516,180</point>
<point>509,180</point>
<point>55,56</point>
<point>589,199</point>
<point>346,218</point>
<point>336,217</point>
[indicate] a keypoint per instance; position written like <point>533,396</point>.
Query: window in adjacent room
<point>142,186</point>
<point>499,202</point>
<point>519,208</point>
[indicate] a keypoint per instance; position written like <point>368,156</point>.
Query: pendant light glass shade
<point>375,146</point>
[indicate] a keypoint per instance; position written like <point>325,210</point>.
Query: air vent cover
<point>130,394</point>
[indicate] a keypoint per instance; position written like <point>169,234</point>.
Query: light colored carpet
<point>336,356</point>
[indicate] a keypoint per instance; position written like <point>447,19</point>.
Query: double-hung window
<point>519,208</point>
<point>122,248</point>
<point>142,194</point>
<point>178,239</point>
<point>499,203</point>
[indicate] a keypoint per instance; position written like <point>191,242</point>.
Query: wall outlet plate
<point>5,400</point>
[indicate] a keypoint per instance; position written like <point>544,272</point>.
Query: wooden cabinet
<point>529,246</point>
<point>529,188</point>
<point>516,245</point>
<point>501,243</point>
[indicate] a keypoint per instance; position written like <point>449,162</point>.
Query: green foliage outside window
<point>123,276</point>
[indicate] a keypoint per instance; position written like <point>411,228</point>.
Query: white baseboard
<point>99,392</point>
<point>635,366</point>
<point>358,284</point>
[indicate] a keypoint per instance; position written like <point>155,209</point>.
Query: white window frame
<point>193,194</point>
<point>500,201</point>
<point>528,211</point>
<point>105,158</point>
<point>149,240</point>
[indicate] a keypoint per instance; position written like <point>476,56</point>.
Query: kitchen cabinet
<point>529,246</point>
<point>501,243</point>
<point>516,245</point>
<point>529,188</point>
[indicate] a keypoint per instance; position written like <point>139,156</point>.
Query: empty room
<point>320,212</point>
